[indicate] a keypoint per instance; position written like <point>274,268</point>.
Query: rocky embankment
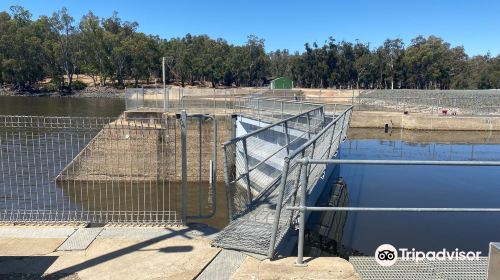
<point>89,92</point>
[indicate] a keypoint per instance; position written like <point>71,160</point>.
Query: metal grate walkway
<point>260,225</point>
<point>369,269</point>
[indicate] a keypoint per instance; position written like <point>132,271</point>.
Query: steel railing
<point>305,164</point>
<point>325,145</point>
<point>254,160</point>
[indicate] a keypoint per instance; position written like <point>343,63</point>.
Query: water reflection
<point>116,201</point>
<point>414,186</point>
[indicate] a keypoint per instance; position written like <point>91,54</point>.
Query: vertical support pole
<point>165,95</point>
<point>308,126</point>
<point>184,165</point>
<point>279,205</point>
<point>228,185</point>
<point>285,124</point>
<point>214,167</point>
<point>282,116</point>
<point>143,105</point>
<point>258,109</point>
<point>137,99</point>
<point>247,176</point>
<point>302,217</point>
<point>329,153</point>
<point>200,160</point>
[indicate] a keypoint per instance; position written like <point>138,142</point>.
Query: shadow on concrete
<point>136,247</point>
<point>172,249</point>
<point>27,267</point>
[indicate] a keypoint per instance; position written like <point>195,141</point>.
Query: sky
<point>474,24</point>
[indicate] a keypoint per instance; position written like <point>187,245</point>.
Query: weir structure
<point>163,165</point>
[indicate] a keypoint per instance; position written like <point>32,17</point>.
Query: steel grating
<point>369,269</point>
<point>267,212</point>
<point>246,235</point>
<point>80,240</point>
<point>223,265</point>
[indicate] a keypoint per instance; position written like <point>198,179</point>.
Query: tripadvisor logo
<point>387,255</point>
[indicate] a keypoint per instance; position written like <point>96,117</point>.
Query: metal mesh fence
<point>102,170</point>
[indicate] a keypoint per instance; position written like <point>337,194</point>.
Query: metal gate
<point>106,170</point>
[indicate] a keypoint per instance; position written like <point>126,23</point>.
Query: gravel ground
<point>460,102</point>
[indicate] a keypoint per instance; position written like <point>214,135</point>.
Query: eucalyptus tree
<point>67,45</point>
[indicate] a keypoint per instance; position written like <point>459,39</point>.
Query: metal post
<point>165,95</point>
<point>279,204</point>
<point>308,126</point>
<point>247,175</point>
<point>302,218</point>
<point>143,93</point>
<point>200,160</point>
<point>282,117</point>
<point>287,138</point>
<point>258,109</point>
<point>228,185</point>
<point>184,165</point>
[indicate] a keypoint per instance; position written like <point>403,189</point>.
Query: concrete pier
<point>423,121</point>
<point>135,149</point>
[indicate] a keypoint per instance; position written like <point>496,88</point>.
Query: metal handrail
<point>286,170</point>
<point>236,139</point>
<point>303,208</point>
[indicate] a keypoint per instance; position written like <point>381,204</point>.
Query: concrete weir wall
<point>133,150</point>
<point>415,121</point>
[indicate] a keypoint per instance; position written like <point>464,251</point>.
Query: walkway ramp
<point>259,225</point>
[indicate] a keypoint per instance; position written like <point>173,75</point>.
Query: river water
<point>360,233</point>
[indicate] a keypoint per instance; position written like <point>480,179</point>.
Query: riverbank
<point>89,92</point>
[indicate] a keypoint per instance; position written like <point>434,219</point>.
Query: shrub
<point>78,85</point>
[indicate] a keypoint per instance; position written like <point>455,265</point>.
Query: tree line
<point>112,52</point>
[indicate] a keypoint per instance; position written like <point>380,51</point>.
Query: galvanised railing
<point>308,163</point>
<point>254,101</point>
<point>254,161</point>
<point>323,145</point>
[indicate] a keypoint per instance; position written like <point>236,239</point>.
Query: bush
<point>78,85</point>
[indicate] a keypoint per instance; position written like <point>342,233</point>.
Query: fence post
<point>228,185</point>
<point>279,204</point>
<point>258,109</point>
<point>143,97</point>
<point>184,165</point>
<point>302,217</point>
<point>165,95</point>
<point>249,189</point>
<point>282,116</point>
<point>287,138</point>
<point>308,126</point>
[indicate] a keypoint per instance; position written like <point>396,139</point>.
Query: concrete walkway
<point>136,253</point>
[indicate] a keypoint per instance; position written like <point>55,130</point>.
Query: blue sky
<point>475,24</point>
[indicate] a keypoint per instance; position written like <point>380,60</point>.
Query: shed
<point>282,83</point>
